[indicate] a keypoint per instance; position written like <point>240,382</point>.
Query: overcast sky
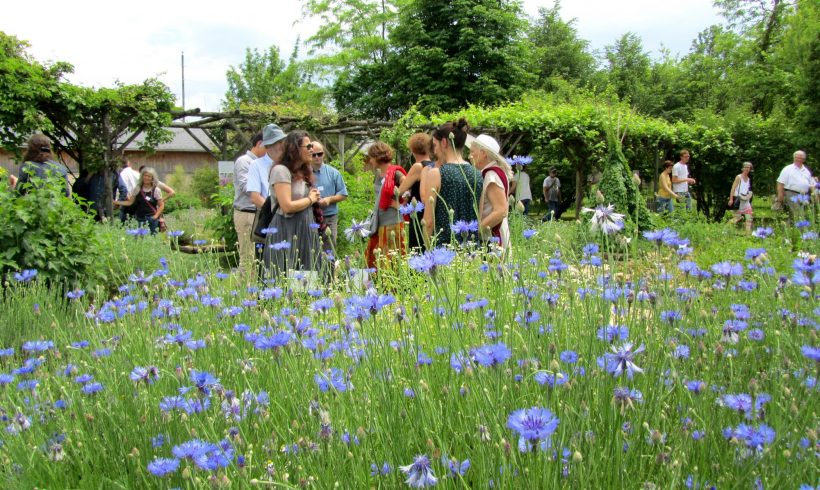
<point>108,41</point>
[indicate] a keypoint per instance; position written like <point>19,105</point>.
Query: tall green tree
<point>444,55</point>
<point>627,66</point>
<point>556,50</point>
<point>264,78</point>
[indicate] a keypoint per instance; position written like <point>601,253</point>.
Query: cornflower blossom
<point>462,227</point>
<point>357,229</point>
<point>605,219</point>
<point>430,261</point>
<point>25,275</point>
<point>809,235</point>
<point>38,345</point>
<point>626,397</point>
<point>568,356</point>
<point>727,269</point>
<point>419,473</point>
<point>696,386</point>
<point>762,232</point>
<point>456,468</point>
<point>755,438</point>
<point>148,375</point>
<point>620,360</point>
<point>529,233</point>
<point>810,352</point>
<point>76,294</point>
<point>137,232</point>
<point>806,271</point>
<point>755,253</point>
<point>92,388</point>
<point>163,466</point>
<point>204,381</point>
<point>671,316</point>
<point>175,233</point>
<point>611,333</point>
<point>491,355</point>
<point>534,426</point>
<point>283,245</point>
<point>411,208</point>
<point>660,236</point>
<point>332,378</point>
<point>549,379</point>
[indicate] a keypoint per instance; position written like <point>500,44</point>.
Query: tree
<point>556,50</point>
<point>263,78</point>
<point>443,56</point>
<point>628,68</point>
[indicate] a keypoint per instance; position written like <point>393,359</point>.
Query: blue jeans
<point>552,210</point>
<point>526,203</point>
<point>688,198</point>
<point>153,224</point>
<point>665,205</point>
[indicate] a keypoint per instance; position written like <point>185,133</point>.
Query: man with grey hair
<point>332,188</point>
<point>794,181</point>
<point>244,209</point>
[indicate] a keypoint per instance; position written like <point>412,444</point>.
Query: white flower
<point>605,218</point>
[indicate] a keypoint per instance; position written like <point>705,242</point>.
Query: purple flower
<point>491,354</point>
<point>419,473</point>
<point>203,381</point>
<point>38,345</point>
<point>534,425</point>
<point>430,261</point>
<point>163,466</point>
<point>569,357</point>
<point>620,360</point>
<point>92,388</point>
<point>462,227</point>
<point>812,353</point>
<point>727,269</point>
<point>26,275</point>
<point>762,232</point>
<point>529,233</point>
<point>331,378</point>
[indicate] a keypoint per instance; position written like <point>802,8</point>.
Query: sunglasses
<point>309,146</point>
<point>318,154</point>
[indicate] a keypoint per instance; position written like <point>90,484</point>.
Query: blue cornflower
<point>462,227</point>
<point>163,466</point>
<point>681,352</point>
<point>696,386</point>
<point>727,269</point>
<point>756,334</point>
<point>659,236</point>
<point>7,352</point>
<point>534,426</point>
<point>754,253</point>
<point>91,388</point>
<point>83,379</point>
<point>812,353</point>
<point>193,449</point>
<point>809,235</point>
<point>612,333</point>
<point>529,233</point>
<point>203,381</point>
<point>360,229</point>
<point>456,469</point>
<point>430,261</point>
<point>283,245</point>
<point>590,249</point>
<point>627,397</point>
<point>38,345</point>
<point>26,275</point>
<point>550,379</point>
<point>671,316</point>
<point>419,473</point>
<point>605,218</point>
<point>491,354</point>
<point>762,232</point>
<point>619,361</point>
<point>76,294</point>
<point>331,378</point>
<point>175,233</point>
<point>753,437</point>
<point>802,224</point>
<point>569,357</point>
<point>148,375</point>
<point>409,393</point>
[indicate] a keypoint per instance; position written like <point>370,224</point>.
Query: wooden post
<point>341,147</point>
<point>108,156</point>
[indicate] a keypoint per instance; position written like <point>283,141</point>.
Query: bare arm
<point>496,196</point>
<point>413,176</point>
<point>168,193</point>
<point>430,186</point>
<point>128,201</point>
<point>735,185</point>
<point>781,192</point>
<point>665,186</point>
<point>160,208</point>
<point>289,206</point>
<point>257,199</point>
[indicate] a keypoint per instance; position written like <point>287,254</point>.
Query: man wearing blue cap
<point>258,186</point>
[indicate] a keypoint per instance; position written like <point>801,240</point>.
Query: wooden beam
<point>206,148</point>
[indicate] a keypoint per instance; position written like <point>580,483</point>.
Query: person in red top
<point>387,243</point>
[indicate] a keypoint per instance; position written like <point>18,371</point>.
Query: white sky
<point>131,41</point>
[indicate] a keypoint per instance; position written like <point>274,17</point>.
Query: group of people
<point>794,180</point>
<point>438,201</point>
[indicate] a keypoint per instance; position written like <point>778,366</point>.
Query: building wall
<point>162,161</point>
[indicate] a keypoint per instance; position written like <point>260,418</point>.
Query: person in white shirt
<point>244,209</point>
<point>129,176</point>
<point>552,195</point>
<point>257,185</point>
<point>521,188</point>
<point>794,180</point>
<point>681,180</point>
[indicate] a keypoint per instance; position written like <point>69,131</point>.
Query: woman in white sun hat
<point>497,174</point>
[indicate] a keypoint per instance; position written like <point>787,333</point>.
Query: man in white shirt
<point>129,178</point>
<point>258,185</point>
<point>795,180</point>
<point>244,209</point>
<point>521,188</point>
<point>680,178</point>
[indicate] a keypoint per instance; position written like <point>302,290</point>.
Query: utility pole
<point>183,83</point>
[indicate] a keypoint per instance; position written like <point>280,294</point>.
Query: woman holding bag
<point>740,198</point>
<point>147,201</point>
<point>293,241</point>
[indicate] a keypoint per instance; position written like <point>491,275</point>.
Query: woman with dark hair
<point>420,145</point>
<point>293,242</point>
<point>451,192</point>
<point>665,193</point>
<point>38,164</point>
<point>387,244</point>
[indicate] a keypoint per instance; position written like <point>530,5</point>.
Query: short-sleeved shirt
<point>298,190</point>
<point>241,196</point>
<point>258,176</point>
<point>522,186</point>
<point>794,178</point>
<point>330,183</point>
<point>681,171</point>
<point>145,203</point>
<point>552,184</point>
<point>130,178</point>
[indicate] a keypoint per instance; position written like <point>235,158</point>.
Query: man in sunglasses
<point>332,188</point>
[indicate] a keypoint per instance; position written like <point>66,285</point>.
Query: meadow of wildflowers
<point>562,368</point>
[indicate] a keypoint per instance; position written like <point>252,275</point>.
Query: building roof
<point>182,142</point>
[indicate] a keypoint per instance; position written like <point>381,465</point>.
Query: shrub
<point>221,224</point>
<point>182,201</point>
<point>204,184</point>
<point>47,231</point>
<point>179,180</point>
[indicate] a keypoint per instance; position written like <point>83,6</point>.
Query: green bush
<point>221,224</point>
<point>47,231</point>
<point>359,202</point>
<point>204,184</point>
<point>182,201</point>
<point>179,180</point>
